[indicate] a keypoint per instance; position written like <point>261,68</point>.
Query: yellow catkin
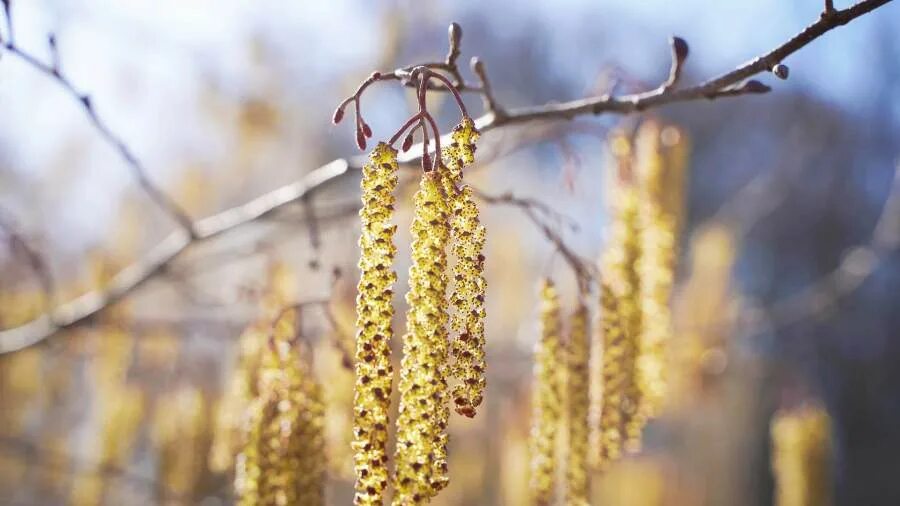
<point>121,412</point>
<point>421,456</point>
<point>621,268</point>
<point>283,460</point>
<point>547,399</point>
<point>578,401</point>
<point>374,373</point>
<point>179,433</point>
<point>607,414</point>
<point>467,299</point>
<point>231,411</point>
<point>801,457</point>
<point>656,268</point>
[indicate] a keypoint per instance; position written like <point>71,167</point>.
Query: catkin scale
<point>467,298</point>
<point>283,461</point>
<point>374,372</point>
<point>547,399</point>
<point>578,402</point>
<point>421,454</point>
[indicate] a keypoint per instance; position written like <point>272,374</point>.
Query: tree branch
<point>70,314</point>
<point>54,72</point>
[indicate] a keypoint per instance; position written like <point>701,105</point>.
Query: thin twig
<point>157,260</point>
<point>53,71</point>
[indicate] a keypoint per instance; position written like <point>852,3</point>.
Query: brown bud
<point>338,115</point>
<point>407,143</point>
<point>679,48</point>
<point>426,162</point>
<point>360,139</point>
<point>454,33</point>
<point>367,130</point>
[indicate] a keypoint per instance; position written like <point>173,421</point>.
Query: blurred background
<point>224,100</point>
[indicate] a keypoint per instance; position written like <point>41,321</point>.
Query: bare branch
<point>53,71</point>
<point>70,314</point>
<point>161,257</point>
<point>487,94</point>
<point>582,269</point>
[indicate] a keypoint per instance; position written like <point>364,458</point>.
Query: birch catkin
<point>620,266</point>
<point>467,298</point>
<point>801,457</point>
<point>283,460</point>
<point>547,399</point>
<point>578,401</point>
<point>421,459</point>
<point>374,372</point>
<point>655,268</point>
<point>607,414</point>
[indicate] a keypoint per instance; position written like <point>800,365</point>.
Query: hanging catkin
<point>228,431</point>
<point>547,399</point>
<point>421,458</point>
<point>180,430</point>
<point>607,413</point>
<point>374,372</point>
<point>801,457</point>
<point>467,299</point>
<point>655,268</point>
<point>621,268</point>
<point>283,461</point>
<point>578,402</point>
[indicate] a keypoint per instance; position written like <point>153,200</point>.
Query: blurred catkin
<point>578,402</point>
<point>607,435</point>
<point>283,459</point>
<point>801,457</point>
<point>620,265</point>
<point>180,434</point>
<point>421,455</point>
<point>374,312</point>
<point>467,299</point>
<point>121,412</point>
<point>547,399</point>
<point>242,385</point>
<point>658,230</point>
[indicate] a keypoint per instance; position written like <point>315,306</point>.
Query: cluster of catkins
<point>602,391</point>
<point>435,370</point>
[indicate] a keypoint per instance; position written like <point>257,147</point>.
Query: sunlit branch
<point>70,314</point>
